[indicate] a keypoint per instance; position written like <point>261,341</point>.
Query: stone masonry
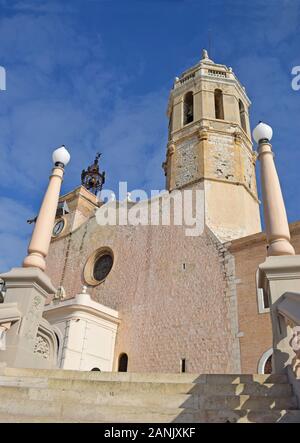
<point>174,294</point>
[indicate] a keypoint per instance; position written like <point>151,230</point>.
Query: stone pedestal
<point>87,331</point>
<point>29,340</point>
<point>278,275</point>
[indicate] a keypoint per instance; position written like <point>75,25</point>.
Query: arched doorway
<point>265,362</point>
<point>268,366</point>
<point>123,362</point>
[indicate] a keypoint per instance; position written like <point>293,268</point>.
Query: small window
<point>96,369</point>
<point>219,109</point>
<point>183,365</point>
<point>242,115</point>
<point>188,108</point>
<point>123,363</point>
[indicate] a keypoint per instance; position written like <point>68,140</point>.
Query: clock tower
<point>210,148</point>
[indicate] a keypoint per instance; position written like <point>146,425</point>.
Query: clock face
<point>58,227</point>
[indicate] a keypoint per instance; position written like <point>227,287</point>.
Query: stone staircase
<point>34,395</point>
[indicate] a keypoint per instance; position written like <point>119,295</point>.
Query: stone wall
<point>179,297</point>
<point>186,168</point>
<point>174,294</point>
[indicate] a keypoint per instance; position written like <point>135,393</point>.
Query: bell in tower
<point>210,147</point>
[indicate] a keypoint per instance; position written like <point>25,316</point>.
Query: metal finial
<point>91,178</point>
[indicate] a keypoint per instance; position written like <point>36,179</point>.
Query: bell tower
<point>210,148</point>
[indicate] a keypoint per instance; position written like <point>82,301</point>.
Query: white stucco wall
<point>86,331</point>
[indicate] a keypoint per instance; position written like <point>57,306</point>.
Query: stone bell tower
<point>210,148</point>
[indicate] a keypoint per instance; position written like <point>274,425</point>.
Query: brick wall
<point>248,253</point>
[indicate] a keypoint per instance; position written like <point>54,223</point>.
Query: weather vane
<point>91,178</point>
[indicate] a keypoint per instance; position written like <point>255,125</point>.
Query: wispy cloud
<point>62,89</point>
<point>134,140</point>
<point>95,76</point>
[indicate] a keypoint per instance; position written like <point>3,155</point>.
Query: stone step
<point>4,418</point>
<point>247,402</point>
<point>71,414</point>
<point>246,378</point>
<point>266,389</point>
<point>94,398</point>
<point>249,416</point>
<point>26,382</point>
<point>145,377</point>
<point>60,397</point>
<point>35,395</point>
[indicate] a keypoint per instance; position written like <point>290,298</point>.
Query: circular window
<point>102,267</point>
<point>98,266</point>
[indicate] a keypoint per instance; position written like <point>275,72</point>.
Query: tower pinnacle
<point>91,178</point>
<point>205,56</point>
<point>210,148</point>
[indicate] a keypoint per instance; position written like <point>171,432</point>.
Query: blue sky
<point>95,75</point>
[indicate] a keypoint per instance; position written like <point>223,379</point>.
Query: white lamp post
<point>41,236</point>
<point>262,132</point>
<point>277,228</point>
<point>61,157</point>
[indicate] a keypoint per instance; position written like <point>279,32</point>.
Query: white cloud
<point>61,90</point>
<point>134,140</point>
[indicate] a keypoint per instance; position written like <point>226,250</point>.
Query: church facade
<point>149,298</point>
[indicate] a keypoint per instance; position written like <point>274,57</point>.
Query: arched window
<point>268,366</point>
<point>219,109</point>
<point>265,362</point>
<point>242,115</point>
<point>188,108</point>
<point>96,369</point>
<point>123,363</point>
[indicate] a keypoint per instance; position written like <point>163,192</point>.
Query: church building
<point>149,298</point>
